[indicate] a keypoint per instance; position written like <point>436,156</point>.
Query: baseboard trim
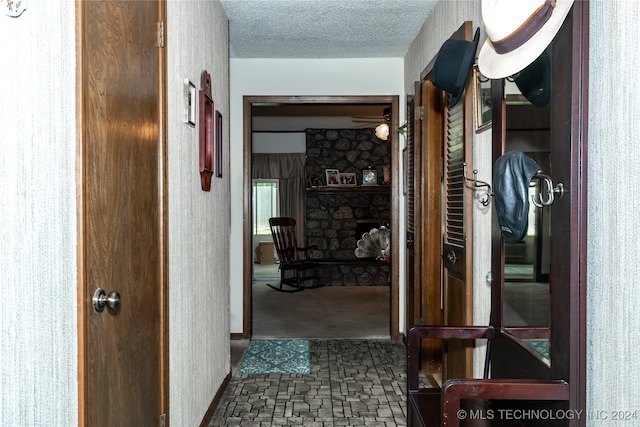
<point>237,336</point>
<point>208,416</point>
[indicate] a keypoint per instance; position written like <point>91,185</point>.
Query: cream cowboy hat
<point>517,33</point>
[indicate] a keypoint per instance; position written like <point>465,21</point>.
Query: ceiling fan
<point>380,123</point>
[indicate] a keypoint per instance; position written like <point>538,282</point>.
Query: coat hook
<point>484,198</point>
<point>550,191</point>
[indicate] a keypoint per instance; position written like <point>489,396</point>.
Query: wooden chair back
<point>283,231</point>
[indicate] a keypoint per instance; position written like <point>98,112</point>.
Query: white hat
<point>517,33</point>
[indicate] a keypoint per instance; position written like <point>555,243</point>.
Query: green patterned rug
<point>276,357</point>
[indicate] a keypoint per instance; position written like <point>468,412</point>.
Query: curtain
<point>288,169</point>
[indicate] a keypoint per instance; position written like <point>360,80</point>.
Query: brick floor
<point>352,383</point>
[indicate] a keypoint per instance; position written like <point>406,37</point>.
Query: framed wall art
<point>482,95</point>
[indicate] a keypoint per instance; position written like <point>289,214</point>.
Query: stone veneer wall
<point>336,221</point>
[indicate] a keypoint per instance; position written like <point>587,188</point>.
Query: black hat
<point>453,66</point>
<point>511,177</point>
<point>534,81</point>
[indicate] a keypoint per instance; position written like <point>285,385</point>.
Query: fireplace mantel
<point>341,189</point>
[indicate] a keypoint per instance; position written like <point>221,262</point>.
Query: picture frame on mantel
<point>332,176</point>
<point>347,179</point>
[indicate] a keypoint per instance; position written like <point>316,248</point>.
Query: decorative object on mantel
<point>14,8</point>
<point>207,134</point>
<point>369,177</point>
<point>386,175</point>
<point>375,243</point>
<point>347,178</point>
<point>314,181</point>
<point>333,176</point>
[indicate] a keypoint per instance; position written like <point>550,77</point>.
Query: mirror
<point>526,296</point>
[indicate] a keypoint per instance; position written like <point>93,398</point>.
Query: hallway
<point>357,372</point>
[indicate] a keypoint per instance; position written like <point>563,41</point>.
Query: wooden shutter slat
<point>454,200</point>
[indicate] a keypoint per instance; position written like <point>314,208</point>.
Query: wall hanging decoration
<point>189,112</point>
<point>14,8</point>
<point>207,135</point>
<point>218,148</point>
<point>482,94</point>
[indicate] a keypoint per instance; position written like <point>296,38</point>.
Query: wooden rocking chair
<point>296,263</point>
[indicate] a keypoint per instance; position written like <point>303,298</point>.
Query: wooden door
<point>424,210</point>
<point>429,203</point>
<point>121,233</point>
<point>457,225</point>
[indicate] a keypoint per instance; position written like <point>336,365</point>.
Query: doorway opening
<point>286,118</point>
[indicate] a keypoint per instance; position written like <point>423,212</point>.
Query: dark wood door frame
<point>569,138</point>
<point>248,101</point>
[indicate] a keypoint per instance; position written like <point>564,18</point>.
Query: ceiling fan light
<point>382,131</point>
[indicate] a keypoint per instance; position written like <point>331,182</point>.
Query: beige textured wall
<point>613,308</point>
<point>446,18</point>
<point>197,34</point>
<point>38,337</point>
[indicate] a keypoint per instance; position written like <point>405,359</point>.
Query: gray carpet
<point>327,312</point>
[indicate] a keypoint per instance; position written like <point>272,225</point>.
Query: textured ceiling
<point>324,28</point>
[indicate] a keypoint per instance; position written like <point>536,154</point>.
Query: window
<point>265,204</point>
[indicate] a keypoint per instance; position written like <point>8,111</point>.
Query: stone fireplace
<point>338,216</point>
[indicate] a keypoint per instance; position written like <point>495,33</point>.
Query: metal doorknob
<point>101,299</point>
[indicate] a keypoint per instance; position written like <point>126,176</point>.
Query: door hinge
<point>163,420</point>
<point>419,113</point>
<point>160,34</point>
